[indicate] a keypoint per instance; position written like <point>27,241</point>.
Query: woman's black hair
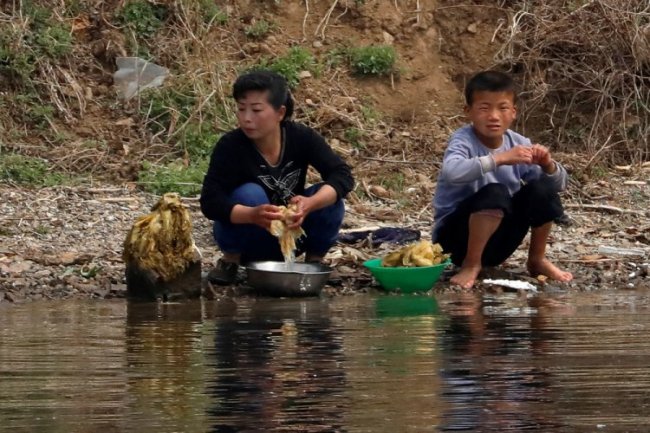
<point>490,81</point>
<point>263,80</point>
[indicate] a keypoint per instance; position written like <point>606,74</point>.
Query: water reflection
<point>166,366</point>
<point>392,366</point>
<point>356,364</point>
<point>493,377</point>
<point>278,368</point>
<point>62,367</point>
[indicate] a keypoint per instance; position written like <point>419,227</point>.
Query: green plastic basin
<point>406,306</point>
<point>405,279</point>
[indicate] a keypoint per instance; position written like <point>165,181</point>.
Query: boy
<point>494,185</point>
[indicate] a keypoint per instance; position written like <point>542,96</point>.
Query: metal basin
<point>282,279</point>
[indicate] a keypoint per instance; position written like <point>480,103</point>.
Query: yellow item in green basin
<point>406,279</point>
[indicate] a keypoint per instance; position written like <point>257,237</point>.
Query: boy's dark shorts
<point>534,205</point>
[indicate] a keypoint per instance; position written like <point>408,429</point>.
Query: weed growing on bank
<point>173,177</point>
<point>29,171</point>
<point>23,48</point>
<point>258,29</point>
<point>290,65</point>
<point>373,60</point>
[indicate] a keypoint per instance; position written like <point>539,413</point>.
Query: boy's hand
<point>542,157</point>
<point>514,156</point>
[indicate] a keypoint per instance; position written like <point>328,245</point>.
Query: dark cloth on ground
<point>392,235</point>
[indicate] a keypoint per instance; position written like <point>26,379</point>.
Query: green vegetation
<point>142,17</point>
<point>23,48</point>
<point>180,115</point>
<point>32,111</point>
<point>258,29</point>
<point>369,113</point>
<point>28,171</point>
<point>174,176</point>
<point>290,65</point>
<point>73,8</point>
<point>141,21</point>
<point>366,60</point>
<point>174,112</point>
<point>41,230</point>
<point>212,13</point>
<point>373,60</point>
<point>354,136</point>
<point>161,107</point>
<point>394,182</point>
<point>336,57</point>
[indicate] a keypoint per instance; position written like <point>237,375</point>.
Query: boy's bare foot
<point>466,277</point>
<point>545,267</point>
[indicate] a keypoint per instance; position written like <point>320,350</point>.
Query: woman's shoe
<point>223,273</point>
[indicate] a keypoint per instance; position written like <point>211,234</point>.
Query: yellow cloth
<point>286,236</point>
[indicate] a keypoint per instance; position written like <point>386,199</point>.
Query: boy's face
<point>491,113</point>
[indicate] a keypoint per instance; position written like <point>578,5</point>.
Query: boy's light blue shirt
<point>468,165</point>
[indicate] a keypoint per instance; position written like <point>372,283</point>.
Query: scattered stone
<point>92,231</point>
<point>44,273</point>
<point>11,297</point>
<point>379,191</point>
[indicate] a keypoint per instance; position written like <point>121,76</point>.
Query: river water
<point>365,363</point>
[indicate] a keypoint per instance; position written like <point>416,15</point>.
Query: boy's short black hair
<point>490,81</point>
<point>263,80</point>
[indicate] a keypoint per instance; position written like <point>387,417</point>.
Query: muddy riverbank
<point>60,243</point>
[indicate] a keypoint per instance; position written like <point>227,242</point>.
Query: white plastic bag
<point>135,74</point>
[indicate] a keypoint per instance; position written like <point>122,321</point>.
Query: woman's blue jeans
<point>255,243</point>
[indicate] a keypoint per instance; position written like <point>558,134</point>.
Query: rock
<point>44,273</point>
<point>100,293</point>
<point>146,285</point>
<point>304,74</point>
<point>266,49</point>
<point>16,267</point>
<point>379,191</point>
<point>317,44</point>
<point>11,297</point>
<point>472,28</point>
<point>67,258</point>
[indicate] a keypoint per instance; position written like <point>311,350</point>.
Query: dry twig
<point>587,67</point>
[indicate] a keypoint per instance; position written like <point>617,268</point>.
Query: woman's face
<point>256,116</point>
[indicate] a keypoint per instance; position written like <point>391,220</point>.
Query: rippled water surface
<point>348,364</point>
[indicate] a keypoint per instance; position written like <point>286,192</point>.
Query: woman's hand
<point>263,214</point>
<point>303,205</point>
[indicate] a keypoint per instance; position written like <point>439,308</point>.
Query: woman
<point>262,165</point>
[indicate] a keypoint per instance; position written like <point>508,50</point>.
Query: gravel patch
<point>61,243</point>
